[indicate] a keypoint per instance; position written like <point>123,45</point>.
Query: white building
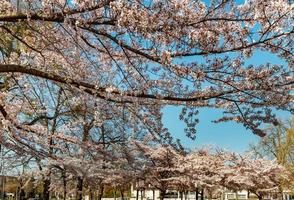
<point>224,195</point>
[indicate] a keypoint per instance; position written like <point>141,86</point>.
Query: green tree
<point>278,144</point>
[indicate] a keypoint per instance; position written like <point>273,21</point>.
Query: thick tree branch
<point>56,17</point>
<point>102,92</point>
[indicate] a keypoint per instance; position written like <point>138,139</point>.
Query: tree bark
<point>100,192</point>
<point>258,196</point>
<point>202,194</point>
<point>79,194</point>
<point>141,194</point>
<point>46,189</point>
<point>22,193</point>
<point>137,194</point>
<point>196,194</point>
<point>91,194</point>
<point>162,194</point>
<point>121,194</point>
<point>153,194</point>
<point>46,179</point>
<point>64,184</point>
<point>92,89</point>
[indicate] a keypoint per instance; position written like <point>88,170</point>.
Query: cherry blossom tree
<point>258,176</point>
<point>71,69</point>
<point>204,169</point>
<point>160,168</point>
<point>164,168</point>
<point>134,53</point>
<point>212,171</point>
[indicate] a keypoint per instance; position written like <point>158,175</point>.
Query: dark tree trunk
<point>100,192</point>
<point>181,195</point>
<point>22,194</point>
<point>79,194</point>
<point>47,181</point>
<point>46,190</point>
<point>162,194</point>
<point>196,194</point>
<point>121,194</point>
<point>91,194</point>
<point>64,184</point>
<point>137,194</point>
<point>141,194</point>
<point>259,196</point>
<point>202,194</point>
<point>46,184</point>
<point>153,194</point>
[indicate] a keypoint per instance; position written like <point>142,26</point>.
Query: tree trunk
<point>64,184</point>
<point>141,194</point>
<point>22,193</point>
<point>114,194</point>
<point>100,192</point>
<point>79,194</point>
<point>162,194</point>
<point>202,194</point>
<point>46,180</point>
<point>181,195</point>
<point>137,194</point>
<point>91,194</point>
<point>46,189</point>
<point>121,194</point>
<point>153,194</point>
<point>196,194</point>
<point>280,194</point>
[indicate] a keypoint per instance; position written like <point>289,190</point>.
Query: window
<point>242,196</point>
<point>231,196</point>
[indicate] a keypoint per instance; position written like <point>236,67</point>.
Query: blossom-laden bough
<point>159,52</point>
<point>78,78</point>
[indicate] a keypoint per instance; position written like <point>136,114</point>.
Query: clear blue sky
<point>229,135</point>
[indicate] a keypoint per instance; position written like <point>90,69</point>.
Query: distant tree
<point>279,145</point>
<point>160,168</point>
<point>258,176</point>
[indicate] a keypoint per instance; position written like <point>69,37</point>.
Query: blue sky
<point>228,135</point>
